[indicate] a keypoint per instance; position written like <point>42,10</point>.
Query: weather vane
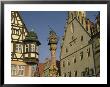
<point>32,29</point>
<point>50,28</point>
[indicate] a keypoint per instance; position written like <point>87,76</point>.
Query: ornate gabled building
<point>80,48</point>
<point>24,48</point>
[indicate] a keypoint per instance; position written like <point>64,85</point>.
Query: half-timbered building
<point>24,48</point>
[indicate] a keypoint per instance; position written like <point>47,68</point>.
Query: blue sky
<point>39,21</point>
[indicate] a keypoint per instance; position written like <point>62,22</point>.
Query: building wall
<point>96,51</point>
<point>76,41</point>
<point>46,67</point>
<point>41,69</point>
<point>18,34</point>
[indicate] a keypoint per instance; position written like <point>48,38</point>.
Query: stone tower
<point>53,40</point>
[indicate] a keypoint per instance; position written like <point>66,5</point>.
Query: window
<point>81,55</point>
<point>83,73</point>
<point>74,59</point>
<point>64,74</point>
<point>91,72</point>
<point>13,70</point>
<point>87,71</point>
<point>87,28</point>
<point>81,38</point>
<point>63,63</point>
<point>26,48</point>
<point>88,52</point>
<point>68,63</point>
<point>69,74</point>
<point>82,19</point>
<point>72,27</point>
<point>98,51</point>
<point>72,38</point>
<point>32,48</point>
<point>71,15</point>
<point>75,73</point>
<point>33,70</point>
<point>15,31</point>
<point>21,70</point>
<point>18,48</point>
<point>66,50</point>
<point>37,49</point>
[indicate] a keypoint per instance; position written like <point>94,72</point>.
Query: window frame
<point>15,70</point>
<point>18,48</point>
<point>21,68</point>
<point>81,55</point>
<point>32,47</point>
